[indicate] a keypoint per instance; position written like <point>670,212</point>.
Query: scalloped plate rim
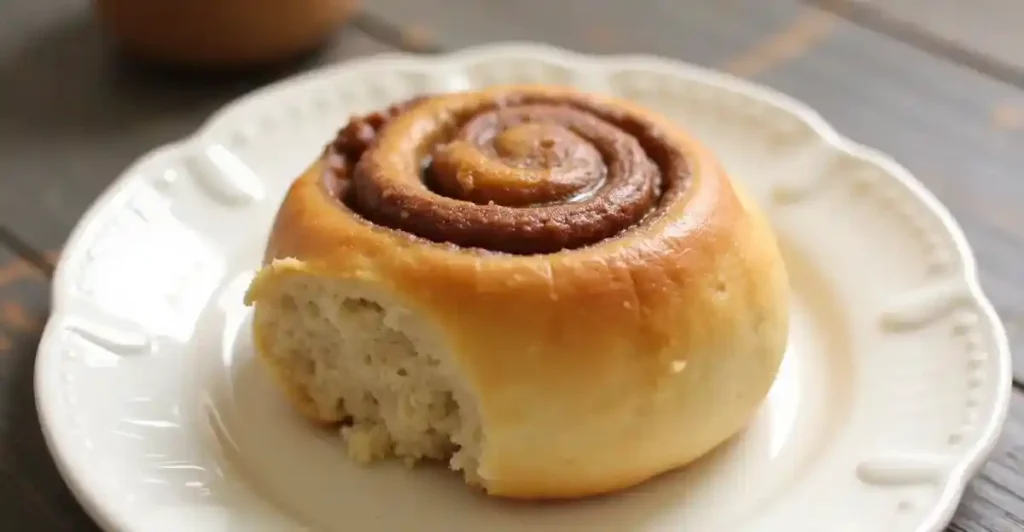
<point>958,477</point>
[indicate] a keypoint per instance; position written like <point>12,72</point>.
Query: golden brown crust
<point>595,368</point>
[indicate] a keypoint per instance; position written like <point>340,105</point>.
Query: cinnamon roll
<point>559,293</point>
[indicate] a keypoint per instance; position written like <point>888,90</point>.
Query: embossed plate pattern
<point>892,392</point>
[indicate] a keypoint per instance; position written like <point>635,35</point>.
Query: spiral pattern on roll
<point>514,171</point>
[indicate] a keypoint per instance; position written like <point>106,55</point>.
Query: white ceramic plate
<point>892,392</point>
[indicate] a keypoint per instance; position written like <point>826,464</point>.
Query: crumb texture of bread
<point>359,359</point>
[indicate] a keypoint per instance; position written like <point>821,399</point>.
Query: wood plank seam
<point>810,27</point>
<point>26,251</point>
<point>410,40</point>
<point>29,265</point>
<point>875,20</point>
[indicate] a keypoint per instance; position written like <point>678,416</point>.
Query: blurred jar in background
<point>212,34</point>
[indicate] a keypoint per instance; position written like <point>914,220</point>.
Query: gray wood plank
<point>990,28</point>
<point>33,497</point>
<point>703,32</point>
<point>73,114</point>
<point>992,503</point>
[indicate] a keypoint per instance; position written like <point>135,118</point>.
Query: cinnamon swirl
<point>562,294</point>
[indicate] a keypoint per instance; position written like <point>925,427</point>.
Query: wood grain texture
<point>702,32</point>
<point>993,502</point>
<point>33,497</point>
<point>987,28</point>
<point>74,114</point>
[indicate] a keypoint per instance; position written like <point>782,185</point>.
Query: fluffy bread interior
<point>360,359</point>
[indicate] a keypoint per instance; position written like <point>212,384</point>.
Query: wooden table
<point>939,84</point>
